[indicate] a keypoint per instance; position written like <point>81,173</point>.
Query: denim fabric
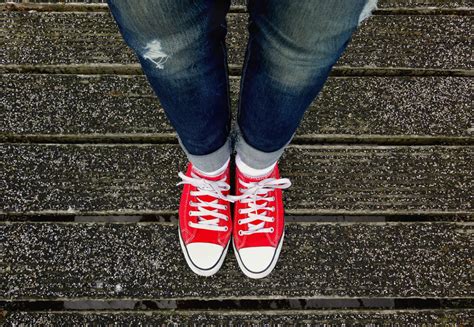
<point>291,49</point>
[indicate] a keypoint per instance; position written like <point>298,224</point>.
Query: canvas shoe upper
<point>258,221</point>
<point>205,223</point>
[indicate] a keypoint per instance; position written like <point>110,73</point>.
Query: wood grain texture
<point>107,106</point>
<point>107,261</point>
<point>140,179</point>
<point>381,3</point>
<point>425,3</point>
<point>239,318</point>
<point>143,261</point>
<point>440,41</point>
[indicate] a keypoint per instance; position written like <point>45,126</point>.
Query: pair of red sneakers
<point>206,224</point>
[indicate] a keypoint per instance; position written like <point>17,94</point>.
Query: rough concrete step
<point>318,260</point>
<point>391,109</point>
<point>141,178</point>
<point>219,318</point>
<point>418,41</point>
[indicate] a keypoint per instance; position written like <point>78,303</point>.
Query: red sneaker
<point>204,220</point>
<point>258,222</point>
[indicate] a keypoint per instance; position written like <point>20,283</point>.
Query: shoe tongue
<point>210,178</point>
<point>257,178</point>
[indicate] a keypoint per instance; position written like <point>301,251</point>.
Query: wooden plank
<point>382,41</point>
<point>425,3</point>
<point>143,261</point>
<point>381,3</point>
<point>140,179</point>
<point>219,318</point>
<point>395,109</point>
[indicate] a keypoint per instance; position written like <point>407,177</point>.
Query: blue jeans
<point>291,49</point>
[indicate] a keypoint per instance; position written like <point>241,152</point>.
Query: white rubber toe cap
<point>204,256</point>
<point>257,259</point>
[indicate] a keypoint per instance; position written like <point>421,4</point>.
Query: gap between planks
<point>101,7</point>
<point>360,304</point>
<point>234,70</point>
<point>466,217</point>
<point>225,298</point>
<point>245,312</point>
<point>170,138</point>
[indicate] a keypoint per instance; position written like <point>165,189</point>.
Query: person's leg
<point>291,50</point>
<point>180,45</point>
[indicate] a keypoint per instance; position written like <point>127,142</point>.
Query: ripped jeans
<point>291,49</point>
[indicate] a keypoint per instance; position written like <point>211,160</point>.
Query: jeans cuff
<point>253,157</point>
<point>212,161</point>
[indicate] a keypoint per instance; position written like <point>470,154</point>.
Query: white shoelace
<point>210,188</point>
<point>258,191</point>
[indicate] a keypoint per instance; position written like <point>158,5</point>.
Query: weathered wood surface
<point>381,3</point>
<point>219,318</point>
<point>131,261</point>
<point>319,260</point>
<point>393,108</point>
<point>440,41</point>
<point>140,179</point>
<point>425,3</point>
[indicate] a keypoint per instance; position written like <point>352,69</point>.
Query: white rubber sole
<point>270,267</point>
<point>202,272</point>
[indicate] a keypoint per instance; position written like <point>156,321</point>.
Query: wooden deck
<point>379,217</point>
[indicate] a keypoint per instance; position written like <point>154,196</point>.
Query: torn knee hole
<point>154,52</point>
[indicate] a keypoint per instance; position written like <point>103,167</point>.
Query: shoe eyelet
<point>272,230</point>
<point>225,207</point>
<point>273,220</point>
<point>189,223</point>
<point>240,233</point>
<point>240,211</point>
<point>239,222</point>
<point>226,229</point>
